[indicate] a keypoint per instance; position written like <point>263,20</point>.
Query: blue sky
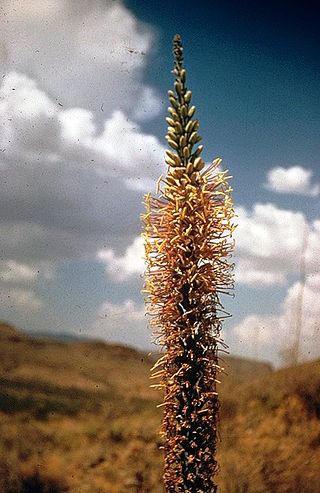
<point>254,73</point>
<point>82,114</point>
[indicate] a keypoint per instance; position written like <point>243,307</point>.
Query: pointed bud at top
<point>182,131</point>
<point>178,51</point>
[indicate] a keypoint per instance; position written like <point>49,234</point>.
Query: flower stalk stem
<point>188,226</point>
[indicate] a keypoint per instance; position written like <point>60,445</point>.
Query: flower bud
<point>191,111</point>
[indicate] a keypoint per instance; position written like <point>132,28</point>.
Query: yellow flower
<point>188,226</point>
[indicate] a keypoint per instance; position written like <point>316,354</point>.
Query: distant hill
<point>39,354</point>
<point>79,416</point>
<point>233,365</point>
<point>56,336</point>
<point>59,336</point>
<point>7,330</point>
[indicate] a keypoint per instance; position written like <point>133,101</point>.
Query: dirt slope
<point>80,417</point>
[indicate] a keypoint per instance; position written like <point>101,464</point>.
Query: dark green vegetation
<point>80,417</point>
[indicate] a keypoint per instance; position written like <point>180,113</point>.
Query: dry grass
<point>79,417</point>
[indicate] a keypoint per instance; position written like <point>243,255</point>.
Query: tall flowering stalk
<point>187,244</point>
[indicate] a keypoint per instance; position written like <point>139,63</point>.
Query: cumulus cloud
<point>122,322</point>
<point>33,125</point>
<point>312,233</point>
<point>296,179</point>
<point>270,242</point>
<point>251,275</point>
<point>285,245</point>
<point>87,54</point>
<point>13,271</point>
<point>19,299</point>
<point>132,263</point>
<point>273,336</point>
<point>74,161</point>
<point>65,188</point>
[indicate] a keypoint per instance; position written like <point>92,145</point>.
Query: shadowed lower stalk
<point>187,244</point>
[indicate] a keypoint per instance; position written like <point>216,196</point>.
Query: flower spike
<point>188,227</point>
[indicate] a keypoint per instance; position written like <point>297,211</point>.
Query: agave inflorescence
<point>187,244</point>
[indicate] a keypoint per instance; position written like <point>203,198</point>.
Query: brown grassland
<point>80,417</point>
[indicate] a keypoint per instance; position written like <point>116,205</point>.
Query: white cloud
<point>258,329</point>
<point>269,244</point>
<point>134,153</point>
<point>66,184</point>
<point>18,298</point>
<point>34,126</point>
<point>148,105</point>
<point>296,179</point>
<point>269,230</point>
<point>73,160</point>
<point>21,97</point>
<point>13,271</point>
<point>28,119</point>
<point>77,125</point>
<point>139,184</point>
<point>272,336</point>
<point>247,273</point>
<point>313,250</point>
<point>123,322</point>
<point>123,267</point>
<point>87,54</point>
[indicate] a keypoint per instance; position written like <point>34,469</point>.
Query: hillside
<point>79,416</point>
